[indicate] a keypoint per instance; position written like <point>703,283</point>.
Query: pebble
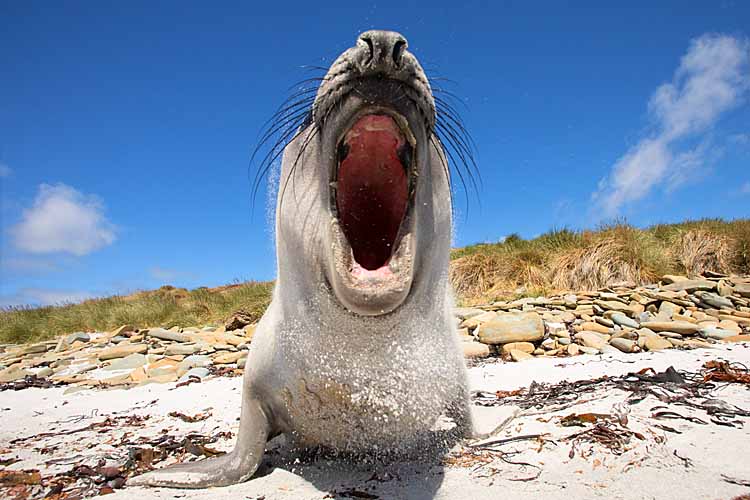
<point>623,320</point>
<point>121,351</point>
<point>681,327</point>
<point>656,343</point>
<point>512,327</point>
<point>517,355</point>
<point>162,334</point>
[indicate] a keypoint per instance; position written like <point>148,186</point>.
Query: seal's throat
<point>372,188</point>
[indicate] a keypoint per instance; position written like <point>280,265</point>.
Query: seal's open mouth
<point>374,159</point>
<point>372,196</point>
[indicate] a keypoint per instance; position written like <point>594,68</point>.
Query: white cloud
<point>712,78</point>
<point>43,297</point>
<point>745,188</point>
<point>5,170</point>
<point>63,219</point>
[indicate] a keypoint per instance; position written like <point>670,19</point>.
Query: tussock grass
<point>167,307</point>
<point>556,261</point>
<point>588,260</point>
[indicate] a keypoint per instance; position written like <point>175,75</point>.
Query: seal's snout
<point>382,50</point>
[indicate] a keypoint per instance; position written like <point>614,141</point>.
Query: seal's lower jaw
<point>372,197</point>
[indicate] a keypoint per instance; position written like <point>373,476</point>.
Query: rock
<point>512,327</point>
<point>730,325</point>
<point>475,321</point>
<point>670,335</point>
<point>13,373</point>
<point>32,349</point>
<point>77,336</point>
<point>517,355</point>
<point>571,300</point>
<point>714,300</point>
<point>672,278</point>
<point>737,338</point>
<point>228,358</point>
<point>162,334</point>
<point>475,350</point>
<point>681,327</point>
<point>624,345</point>
<point>690,286</point>
<point>549,343</point>
<point>683,317</point>
<point>123,330</point>
<point>591,350</point>
<point>564,340</point>
<point>182,349</point>
<point>121,351</point>
<point>742,289</point>
<point>467,312</point>
<point>573,350</point>
<point>667,310</point>
<point>724,288</point>
<point>238,321</point>
<point>128,362</point>
<point>591,339</point>
<point>118,338</point>
<point>623,320</point>
<point>44,372</point>
<point>716,333</point>
<point>138,375</point>
<point>195,361</point>
<point>657,343</point>
<point>158,373</point>
<point>614,305</point>
<point>197,372</point>
<point>526,347</point>
<point>605,321</point>
<point>591,326</point>
<point>625,334</point>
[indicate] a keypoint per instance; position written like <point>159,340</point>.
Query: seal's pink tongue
<point>372,189</point>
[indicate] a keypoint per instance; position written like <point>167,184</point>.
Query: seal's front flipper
<point>235,467</point>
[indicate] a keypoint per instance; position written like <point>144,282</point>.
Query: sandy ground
<point>693,462</point>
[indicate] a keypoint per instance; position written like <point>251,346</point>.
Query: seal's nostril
<point>365,38</point>
<point>398,51</point>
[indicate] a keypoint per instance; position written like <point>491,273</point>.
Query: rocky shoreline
<point>677,313</point>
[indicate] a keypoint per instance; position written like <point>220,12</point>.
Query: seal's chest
<point>360,414</point>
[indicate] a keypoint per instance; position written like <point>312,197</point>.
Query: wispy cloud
<point>712,78</point>
<point>63,219</point>
<point>5,170</point>
<point>168,275</point>
<point>745,188</point>
<point>43,297</point>
<point>28,265</point>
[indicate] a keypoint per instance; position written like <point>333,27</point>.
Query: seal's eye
<point>342,152</point>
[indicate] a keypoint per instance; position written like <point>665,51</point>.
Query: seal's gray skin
<point>346,363</point>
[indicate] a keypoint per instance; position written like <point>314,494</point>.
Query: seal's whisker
<point>447,139</point>
<point>461,145</point>
<point>289,134</point>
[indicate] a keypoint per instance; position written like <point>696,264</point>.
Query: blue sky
<point>126,129</point>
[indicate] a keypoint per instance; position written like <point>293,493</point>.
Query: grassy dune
<point>572,260</point>
<point>167,306</point>
<point>555,261</point>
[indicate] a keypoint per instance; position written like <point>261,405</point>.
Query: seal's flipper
<point>235,467</point>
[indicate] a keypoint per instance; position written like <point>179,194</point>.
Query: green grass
<point>558,260</point>
<point>166,307</point>
<point>577,260</point>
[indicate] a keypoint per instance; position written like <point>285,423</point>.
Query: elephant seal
<point>358,349</point>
